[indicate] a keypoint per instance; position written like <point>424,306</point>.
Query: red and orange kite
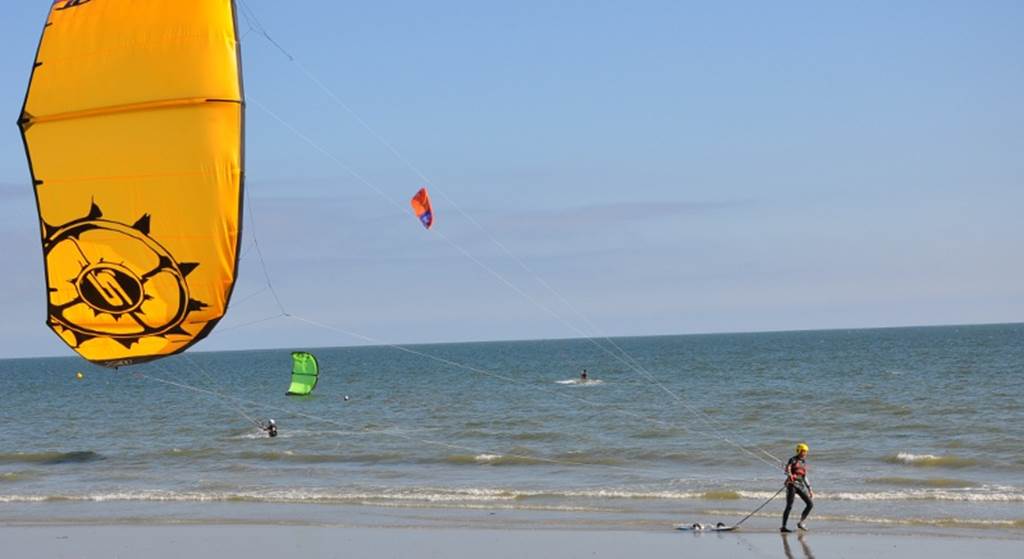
<point>421,207</point>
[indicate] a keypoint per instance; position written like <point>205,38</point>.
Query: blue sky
<point>668,167</point>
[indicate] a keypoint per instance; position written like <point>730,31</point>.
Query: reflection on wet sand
<point>808,554</point>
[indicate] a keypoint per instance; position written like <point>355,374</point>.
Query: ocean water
<point>910,429</point>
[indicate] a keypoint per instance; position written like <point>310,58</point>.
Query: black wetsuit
<point>797,484</point>
<point>272,430</point>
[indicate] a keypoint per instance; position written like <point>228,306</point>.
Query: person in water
<point>797,484</point>
<point>583,375</point>
<point>271,428</point>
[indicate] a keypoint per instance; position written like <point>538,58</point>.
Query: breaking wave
<point>930,460</point>
<point>485,495</point>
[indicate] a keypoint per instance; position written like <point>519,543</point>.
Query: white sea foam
<point>984,494</point>
<point>495,495</point>
<point>617,494</point>
<point>255,434</point>
<point>914,521</point>
<point>930,460</point>
<point>908,458</point>
<point>281,496</point>
<point>980,495</point>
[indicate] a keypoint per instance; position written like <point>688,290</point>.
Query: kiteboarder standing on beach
<point>797,484</point>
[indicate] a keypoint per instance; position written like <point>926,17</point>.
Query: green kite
<point>305,373</point>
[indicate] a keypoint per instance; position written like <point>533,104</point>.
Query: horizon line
<point>565,339</point>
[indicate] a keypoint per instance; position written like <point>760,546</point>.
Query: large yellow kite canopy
<point>133,129</point>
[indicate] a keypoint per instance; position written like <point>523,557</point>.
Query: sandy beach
<point>257,531</point>
<point>277,541</point>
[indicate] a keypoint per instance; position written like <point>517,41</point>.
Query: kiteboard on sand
<point>698,527</point>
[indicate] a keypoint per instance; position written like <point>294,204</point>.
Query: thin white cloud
<point>10,190</point>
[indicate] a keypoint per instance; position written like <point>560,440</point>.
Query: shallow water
<point>908,427</point>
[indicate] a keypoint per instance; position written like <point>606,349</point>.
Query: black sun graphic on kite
<point>112,280</point>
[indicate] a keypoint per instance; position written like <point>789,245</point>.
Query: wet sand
<point>277,541</point>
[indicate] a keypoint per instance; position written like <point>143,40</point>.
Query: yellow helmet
<point>802,447</point>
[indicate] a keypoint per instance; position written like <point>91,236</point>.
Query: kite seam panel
<point>29,120</point>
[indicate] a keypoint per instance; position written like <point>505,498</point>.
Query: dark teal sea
<point>909,429</point>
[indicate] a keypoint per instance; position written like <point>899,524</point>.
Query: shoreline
<point>404,516</point>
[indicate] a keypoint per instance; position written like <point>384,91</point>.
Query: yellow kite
<point>133,127</point>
